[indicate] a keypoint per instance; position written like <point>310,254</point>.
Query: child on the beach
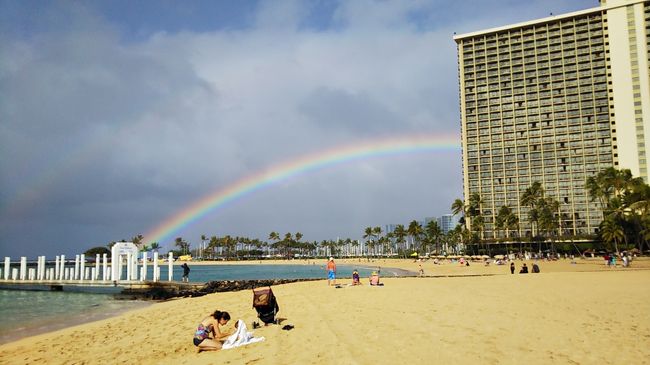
<point>355,278</point>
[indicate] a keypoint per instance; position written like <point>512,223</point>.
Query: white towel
<point>241,337</point>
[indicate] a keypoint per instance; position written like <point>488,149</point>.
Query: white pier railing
<point>123,255</point>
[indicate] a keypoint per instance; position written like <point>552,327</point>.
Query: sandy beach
<point>583,313</point>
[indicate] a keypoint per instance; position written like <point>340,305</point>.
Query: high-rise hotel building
<point>555,100</point>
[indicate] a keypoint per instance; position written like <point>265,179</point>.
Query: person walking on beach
<point>331,272</point>
<point>207,335</point>
<point>512,267</point>
<point>186,272</point>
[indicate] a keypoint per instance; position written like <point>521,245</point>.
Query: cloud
<point>109,128</point>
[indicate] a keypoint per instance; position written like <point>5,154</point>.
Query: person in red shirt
<point>331,272</point>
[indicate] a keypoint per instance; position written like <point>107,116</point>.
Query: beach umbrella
<point>485,257</point>
<point>499,257</point>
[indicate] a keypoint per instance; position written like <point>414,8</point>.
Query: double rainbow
<point>299,166</point>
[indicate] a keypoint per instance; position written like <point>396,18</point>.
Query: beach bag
<point>262,297</point>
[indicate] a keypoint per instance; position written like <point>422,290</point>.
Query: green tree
<point>203,246</point>
<point>433,233</point>
<point>531,198</point>
<point>97,250</point>
<point>182,245</point>
<point>415,231</point>
<point>458,207</point>
<point>612,232</point>
<point>400,234</point>
<point>137,241</point>
<point>625,201</point>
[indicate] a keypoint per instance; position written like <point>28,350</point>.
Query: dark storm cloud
<point>107,127</point>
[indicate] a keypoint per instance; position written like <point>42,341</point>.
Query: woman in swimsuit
<point>210,326</point>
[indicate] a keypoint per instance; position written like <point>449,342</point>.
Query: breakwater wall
<point>167,290</point>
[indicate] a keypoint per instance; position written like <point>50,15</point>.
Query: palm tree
<point>213,244</point>
<point>506,220</point>
<point>137,240</point>
<point>298,236</point>
<point>531,198</point>
<point>415,231</point>
<point>287,242</point>
<point>474,213</point>
<point>368,236</point>
<point>612,231</point>
<point>182,245</point>
<point>433,233</point>
<point>376,236</point>
<point>274,236</point>
<point>355,247</point>
<point>458,207</point>
<point>400,236</point>
<point>500,220</point>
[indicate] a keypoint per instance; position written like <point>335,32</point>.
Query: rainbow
<point>299,166</point>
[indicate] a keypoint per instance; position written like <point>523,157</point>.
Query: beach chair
<point>265,304</point>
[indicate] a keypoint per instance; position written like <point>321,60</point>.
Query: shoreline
<point>53,325</point>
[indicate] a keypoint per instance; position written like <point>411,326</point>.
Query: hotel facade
<point>555,100</point>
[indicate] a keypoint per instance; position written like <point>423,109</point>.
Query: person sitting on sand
<point>535,268</point>
<point>355,278</point>
<point>374,279</point>
<point>207,334</point>
<point>524,269</point>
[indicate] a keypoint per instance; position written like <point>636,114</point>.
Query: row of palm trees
<point>625,203</point>
<point>623,199</point>
<point>419,239</point>
<point>422,239</point>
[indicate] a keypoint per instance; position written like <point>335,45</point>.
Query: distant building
<point>555,100</point>
<point>447,222</point>
<point>389,228</point>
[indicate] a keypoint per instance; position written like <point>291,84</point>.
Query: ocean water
<point>205,273</point>
<point>27,313</point>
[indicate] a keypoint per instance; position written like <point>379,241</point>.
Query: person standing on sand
<point>512,267</point>
<point>186,272</point>
<point>331,272</point>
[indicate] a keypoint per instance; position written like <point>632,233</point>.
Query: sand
<point>568,314</point>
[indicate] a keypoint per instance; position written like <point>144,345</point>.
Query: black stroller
<point>265,304</point>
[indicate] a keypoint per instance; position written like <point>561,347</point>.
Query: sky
<point>117,115</point>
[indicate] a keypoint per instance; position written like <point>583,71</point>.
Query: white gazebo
<point>130,251</point>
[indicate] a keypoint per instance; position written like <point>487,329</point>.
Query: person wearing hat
<point>331,272</point>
